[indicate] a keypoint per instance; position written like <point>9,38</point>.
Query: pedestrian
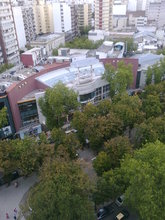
<point>15,210</point>
<point>7,216</point>
<point>15,218</point>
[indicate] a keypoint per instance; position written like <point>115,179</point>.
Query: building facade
<point>48,42</point>
<point>29,23</point>
<point>19,24</point>
<point>84,12</point>
<point>43,17</point>
<point>9,52</point>
<point>104,15</point>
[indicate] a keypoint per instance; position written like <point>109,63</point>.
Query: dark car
<point>103,212</point>
<point>124,214</point>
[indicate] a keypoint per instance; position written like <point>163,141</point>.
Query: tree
<point>152,106</point>
<point>119,79</point>
<point>114,151</point>
<point>55,52</point>
<point>63,193</point>
<point>6,66</point>
<point>141,179</point>
<point>129,109</point>
<point>102,128</point>
<point>150,130</point>
<point>57,104</point>
<point>3,117</point>
<point>155,74</point>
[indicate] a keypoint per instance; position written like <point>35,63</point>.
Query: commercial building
<point>9,52</point>
<point>104,15</point>
<point>136,18</point>
<point>48,42</point>
<point>84,76</point>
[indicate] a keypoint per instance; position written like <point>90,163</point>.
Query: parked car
<point>119,200</point>
<point>105,211</point>
<point>124,214</point>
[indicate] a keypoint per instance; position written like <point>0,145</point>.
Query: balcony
<point>10,57</point>
<point>10,51</point>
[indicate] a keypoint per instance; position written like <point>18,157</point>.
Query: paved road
<point>10,197</point>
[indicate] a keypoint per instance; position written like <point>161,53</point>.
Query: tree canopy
<point>119,78</point>
<point>57,104</point>
<point>3,117</point>
<point>141,179</point>
<point>62,193</point>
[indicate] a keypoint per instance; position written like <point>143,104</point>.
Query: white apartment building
<point>104,15</point>
<point>9,52</point>
<point>65,18</point>
<point>29,23</point>
<point>19,25</point>
<point>156,12</point>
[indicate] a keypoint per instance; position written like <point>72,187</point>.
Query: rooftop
<point>30,96</point>
<point>47,37</point>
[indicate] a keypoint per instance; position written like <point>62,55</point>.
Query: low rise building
<point>48,42</point>
<point>32,57</point>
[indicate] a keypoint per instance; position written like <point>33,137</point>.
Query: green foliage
<point>24,155</point>
<point>129,109</point>
<point>6,66</point>
<point>57,104</point>
<point>55,52</point>
<point>150,130</point>
<point>161,51</point>
<point>3,117</point>
<point>119,79</point>
<point>102,128</point>
<point>114,151</point>
<point>141,179</point>
<point>152,106</point>
<point>83,43</point>
<point>69,142</point>
<point>155,73</point>
<point>63,193</point>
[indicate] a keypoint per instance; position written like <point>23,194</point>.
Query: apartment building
<point>65,19</point>
<point>84,15</point>
<point>43,17</point>
<point>155,12</point>
<point>104,15</point>
<point>29,23</point>
<point>9,52</point>
<point>19,25</point>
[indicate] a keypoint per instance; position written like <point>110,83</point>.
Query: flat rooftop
<point>69,75</point>
<point>47,37</point>
<point>30,96</point>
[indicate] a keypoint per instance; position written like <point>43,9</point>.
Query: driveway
<point>10,197</point>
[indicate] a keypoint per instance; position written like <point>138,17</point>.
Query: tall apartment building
<point>156,12</point>
<point>84,12</point>
<point>65,19</point>
<point>19,25</point>
<point>29,23</point>
<point>9,52</point>
<point>43,16</point>
<point>104,15</point>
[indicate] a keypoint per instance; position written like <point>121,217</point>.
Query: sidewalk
<point>10,197</point>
